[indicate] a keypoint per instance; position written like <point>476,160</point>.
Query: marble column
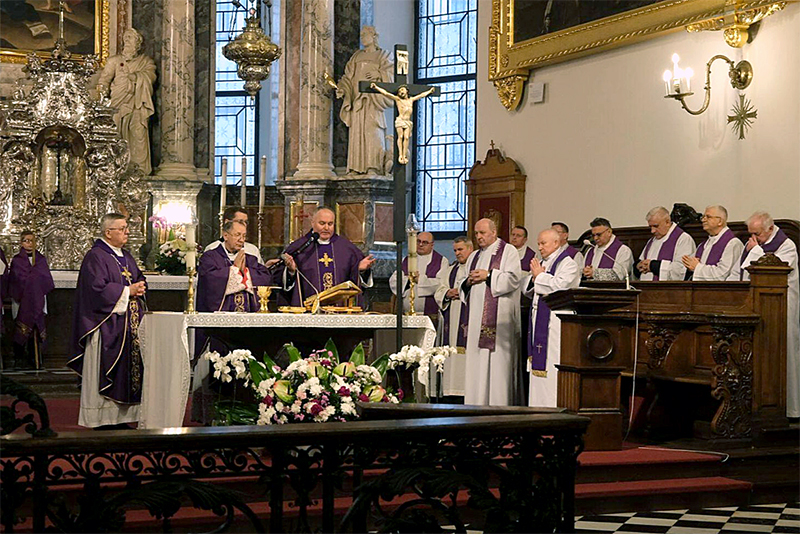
<point>177,80</point>
<point>315,94</point>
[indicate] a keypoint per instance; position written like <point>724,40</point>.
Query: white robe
<point>670,269</point>
<point>622,263</point>
<point>426,287</point>
<point>730,257</point>
<point>544,389</point>
<point>95,409</point>
<point>786,252</point>
<point>455,367</point>
<point>491,375</point>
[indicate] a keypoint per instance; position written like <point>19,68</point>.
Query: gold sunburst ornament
<point>743,116</point>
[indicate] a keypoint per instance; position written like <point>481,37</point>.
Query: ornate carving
<point>732,381</point>
<point>770,260</point>
<point>600,344</point>
<point>510,90</point>
<point>659,340</point>
<point>735,25</point>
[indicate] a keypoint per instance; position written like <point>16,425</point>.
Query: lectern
<point>595,347</point>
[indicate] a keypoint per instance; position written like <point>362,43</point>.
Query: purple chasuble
<point>525,262</point>
<point>488,335</point>
<point>4,276</point>
<point>572,251</point>
<point>667,250</point>
<point>717,249</point>
<point>463,319</point>
<point>102,278</point>
<point>606,262</point>
<point>541,329</point>
<point>212,280</point>
<point>768,248</point>
<point>29,285</point>
<point>430,271</point>
<point>325,266</point>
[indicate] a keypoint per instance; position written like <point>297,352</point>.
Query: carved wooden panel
<point>496,190</point>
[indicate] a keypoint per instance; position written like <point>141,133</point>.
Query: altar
<point>167,347</point>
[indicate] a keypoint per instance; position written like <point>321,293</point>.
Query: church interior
<point>407,127</point>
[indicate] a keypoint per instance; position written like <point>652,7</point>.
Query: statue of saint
<point>131,76</point>
<point>363,112</point>
<point>402,124</point>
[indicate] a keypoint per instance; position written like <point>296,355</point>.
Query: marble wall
<point>203,82</point>
<point>147,17</point>
<point>346,27</point>
<point>289,114</point>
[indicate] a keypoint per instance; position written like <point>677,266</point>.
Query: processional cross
<point>404,95</point>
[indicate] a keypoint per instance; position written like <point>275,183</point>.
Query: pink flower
<point>400,394</point>
<point>315,409</point>
<point>268,401</point>
<point>344,391</point>
<point>363,398</point>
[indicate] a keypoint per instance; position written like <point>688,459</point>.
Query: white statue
<point>131,76</point>
<point>363,112</point>
<point>403,124</point>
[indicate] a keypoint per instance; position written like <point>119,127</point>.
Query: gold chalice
<point>263,296</point>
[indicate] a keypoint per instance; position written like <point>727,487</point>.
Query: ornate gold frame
<point>102,41</point>
<point>511,63</point>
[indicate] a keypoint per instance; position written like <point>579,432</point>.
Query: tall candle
<point>412,253</point>
<point>191,254</point>
<point>262,186</point>
<point>223,201</point>
<point>243,190</point>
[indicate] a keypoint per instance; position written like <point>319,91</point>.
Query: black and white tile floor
<point>758,518</point>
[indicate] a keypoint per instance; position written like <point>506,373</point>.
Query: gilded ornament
<point>743,116</point>
<point>510,90</point>
<point>253,52</point>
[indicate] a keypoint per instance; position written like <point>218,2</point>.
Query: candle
<point>262,186</point>
<point>223,201</point>
<point>243,191</point>
<point>412,252</point>
<point>667,77</point>
<point>191,254</point>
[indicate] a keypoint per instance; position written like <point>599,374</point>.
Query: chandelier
<point>252,51</point>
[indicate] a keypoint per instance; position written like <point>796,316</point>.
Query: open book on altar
<point>346,291</point>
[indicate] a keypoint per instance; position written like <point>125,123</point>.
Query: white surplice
<point>426,287</point>
<point>786,252</point>
<point>730,257</point>
<point>455,367</point>
<point>491,377</point>
<point>622,263</point>
<point>543,389</point>
<point>672,269</point>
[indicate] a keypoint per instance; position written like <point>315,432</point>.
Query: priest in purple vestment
<point>716,256</point>
<point>429,265</point>
<point>609,258</point>
<point>105,347</point>
<point>519,239</point>
<point>327,262</point>
<point>30,281</point>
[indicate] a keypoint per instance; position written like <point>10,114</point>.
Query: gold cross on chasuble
<point>326,260</point>
<point>127,274</point>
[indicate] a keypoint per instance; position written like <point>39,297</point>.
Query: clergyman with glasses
<point>718,255</point>
<point>105,349</point>
<point>609,258</point>
<point>661,257</point>
<point>430,265</point>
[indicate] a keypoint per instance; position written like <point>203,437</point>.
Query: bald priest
<point>429,265</point>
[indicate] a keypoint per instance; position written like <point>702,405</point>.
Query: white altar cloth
<point>69,280</point>
<point>167,358</point>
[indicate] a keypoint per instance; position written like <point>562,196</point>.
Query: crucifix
<point>403,126</point>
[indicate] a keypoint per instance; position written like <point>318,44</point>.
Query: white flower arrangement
<point>412,355</point>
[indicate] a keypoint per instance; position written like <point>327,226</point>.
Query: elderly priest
<point>661,258</point>
<point>324,262</point>
<point>717,255</point>
<point>227,275</point>
<point>429,265</point>
<point>105,341</point>
<point>491,290</point>
<point>557,271</point>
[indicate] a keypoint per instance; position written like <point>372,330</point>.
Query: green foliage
<point>330,346</point>
<point>357,357</point>
<point>294,354</point>
<point>382,364</point>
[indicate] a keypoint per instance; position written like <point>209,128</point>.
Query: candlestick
<point>243,190</point>
<point>223,199</point>
<point>262,186</point>
<point>190,293</point>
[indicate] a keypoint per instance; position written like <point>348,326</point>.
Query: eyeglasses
<point>121,228</point>
<point>598,234</point>
<point>704,217</point>
<point>421,242</point>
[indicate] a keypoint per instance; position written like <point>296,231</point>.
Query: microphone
<point>311,240</point>
<point>627,275</point>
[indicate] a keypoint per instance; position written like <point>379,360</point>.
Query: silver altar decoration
<point>63,163</point>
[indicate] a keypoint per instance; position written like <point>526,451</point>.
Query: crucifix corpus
<point>404,96</point>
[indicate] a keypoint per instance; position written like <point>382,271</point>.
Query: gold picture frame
<point>511,62</point>
<point>94,12</point>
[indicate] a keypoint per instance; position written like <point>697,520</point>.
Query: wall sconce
<point>741,74</point>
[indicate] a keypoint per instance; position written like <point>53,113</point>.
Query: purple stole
<point>716,251</point>
<point>525,262</point>
<point>606,262</point>
<point>541,329</point>
<point>431,271</point>
<point>103,277</point>
<point>488,334</point>
<point>667,250</point>
<point>4,276</point>
<point>768,248</point>
<point>211,288</point>
<point>572,251</point>
<point>29,285</point>
<point>463,320</point>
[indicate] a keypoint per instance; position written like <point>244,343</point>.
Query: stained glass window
<point>445,125</point>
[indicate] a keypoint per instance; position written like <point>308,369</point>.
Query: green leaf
<point>382,364</point>
<point>270,363</point>
<point>257,372</point>
<point>294,354</point>
<point>357,357</point>
<point>331,346</point>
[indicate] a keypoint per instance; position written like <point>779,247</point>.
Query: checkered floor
<point>759,518</point>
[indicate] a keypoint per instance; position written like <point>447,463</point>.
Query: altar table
<point>165,347</point>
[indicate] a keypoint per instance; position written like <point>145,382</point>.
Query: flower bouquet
<point>413,357</point>
<point>171,257</point>
<point>318,388</point>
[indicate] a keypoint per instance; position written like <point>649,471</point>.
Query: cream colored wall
<point>606,143</point>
